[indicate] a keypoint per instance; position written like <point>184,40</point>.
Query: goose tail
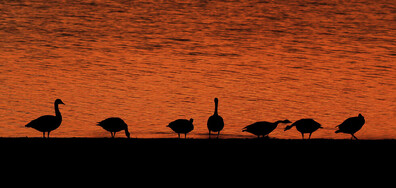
<point>28,125</point>
<point>244,129</point>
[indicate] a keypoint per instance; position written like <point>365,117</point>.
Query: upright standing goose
<point>215,122</point>
<point>113,125</point>
<point>351,125</point>
<point>182,126</point>
<point>305,126</point>
<point>263,128</point>
<point>48,123</point>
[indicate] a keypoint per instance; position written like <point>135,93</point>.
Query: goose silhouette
<point>305,126</point>
<point>351,125</point>
<point>182,126</point>
<point>263,128</point>
<point>48,123</point>
<point>215,122</point>
<point>114,125</point>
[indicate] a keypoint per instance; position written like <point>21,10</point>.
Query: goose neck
<point>216,106</point>
<point>57,112</point>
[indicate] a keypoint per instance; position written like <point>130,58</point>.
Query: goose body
<point>47,123</point>
<point>263,128</point>
<point>182,126</point>
<point>305,126</point>
<point>215,122</point>
<point>114,125</point>
<point>351,125</point>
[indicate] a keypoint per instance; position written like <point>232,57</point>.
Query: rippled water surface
<point>151,63</point>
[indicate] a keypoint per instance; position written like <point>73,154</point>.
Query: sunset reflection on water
<point>151,63</point>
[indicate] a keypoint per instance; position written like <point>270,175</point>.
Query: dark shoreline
<point>175,142</point>
<point>193,140</point>
<point>169,153</point>
<point>241,148</point>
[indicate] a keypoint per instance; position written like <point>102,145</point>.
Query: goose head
<point>58,101</point>
<point>287,127</point>
<point>127,134</point>
<point>216,100</point>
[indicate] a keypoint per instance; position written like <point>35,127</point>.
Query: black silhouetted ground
<point>188,141</point>
<point>204,145</point>
<point>194,159</point>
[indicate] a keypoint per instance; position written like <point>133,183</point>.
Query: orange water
<point>152,62</point>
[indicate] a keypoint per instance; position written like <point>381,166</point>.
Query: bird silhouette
<point>113,125</point>
<point>48,123</point>
<point>182,126</point>
<point>351,125</point>
<point>215,122</point>
<point>263,128</point>
<point>305,126</point>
